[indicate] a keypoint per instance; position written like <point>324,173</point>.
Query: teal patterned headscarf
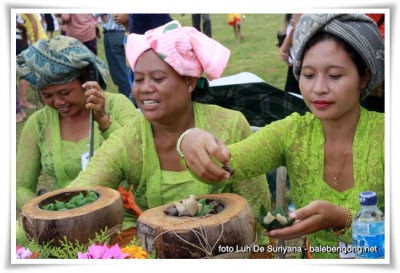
<point>358,30</point>
<point>57,61</point>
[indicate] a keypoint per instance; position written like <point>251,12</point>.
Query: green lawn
<point>256,53</point>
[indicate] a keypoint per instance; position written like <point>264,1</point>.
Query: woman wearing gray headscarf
<point>70,80</point>
<point>331,154</point>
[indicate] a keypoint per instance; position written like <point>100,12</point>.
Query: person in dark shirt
<point>140,23</point>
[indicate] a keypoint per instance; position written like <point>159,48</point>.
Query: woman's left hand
<point>317,215</point>
<point>96,101</point>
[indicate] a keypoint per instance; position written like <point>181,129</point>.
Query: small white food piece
<point>191,205</point>
<point>281,219</point>
<point>180,207</point>
<point>268,218</point>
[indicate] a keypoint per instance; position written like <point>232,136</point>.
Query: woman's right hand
<point>96,101</point>
<point>199,148</point>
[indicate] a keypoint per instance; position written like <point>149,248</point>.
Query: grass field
<point>256,53</point>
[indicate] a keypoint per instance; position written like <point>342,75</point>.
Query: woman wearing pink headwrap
<point>168,63</point>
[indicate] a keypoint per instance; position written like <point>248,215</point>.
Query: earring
<point>190,88</point>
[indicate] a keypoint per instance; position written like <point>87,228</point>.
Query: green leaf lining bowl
<point>275,224</point>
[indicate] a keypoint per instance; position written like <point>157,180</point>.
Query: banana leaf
<point>275,224</point>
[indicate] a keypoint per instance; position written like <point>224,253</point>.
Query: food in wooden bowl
<point>75,223</point>
<point>231,228</point>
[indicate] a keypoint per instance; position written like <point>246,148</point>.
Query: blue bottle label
<point>369,240</point>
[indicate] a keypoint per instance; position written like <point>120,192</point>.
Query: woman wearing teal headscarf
<point>70,80</point>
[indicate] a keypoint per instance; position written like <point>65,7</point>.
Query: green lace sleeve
<point>261,152</point>
<point>28,162</point>
<point>121,109</point>
<point>256,189</point>
<point>119,158</point>
<point>104,168</point>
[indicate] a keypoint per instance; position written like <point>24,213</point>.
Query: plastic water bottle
<point>369,228</point>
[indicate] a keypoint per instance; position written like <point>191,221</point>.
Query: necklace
<point>336,179</point>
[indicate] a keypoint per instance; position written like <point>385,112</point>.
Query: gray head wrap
<point>57,61</point>
<point>358,30</point>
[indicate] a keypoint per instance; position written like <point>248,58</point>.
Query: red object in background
<point>379,18</point>
<point>35,255</point>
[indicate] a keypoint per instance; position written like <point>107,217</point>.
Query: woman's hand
<point>96,101</point>
<point>315,216</point>
<point>199,147</point>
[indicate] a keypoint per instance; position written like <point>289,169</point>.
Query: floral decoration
<point>98,248</point>
<point>103,252</point>
<point>25,253</point>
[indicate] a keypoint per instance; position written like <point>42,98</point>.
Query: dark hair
<point>353,54</point>
<point>201,88</point>
<point>85,74</point>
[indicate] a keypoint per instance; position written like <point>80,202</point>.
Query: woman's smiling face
<point>160,92</point>
<point>67,98</point>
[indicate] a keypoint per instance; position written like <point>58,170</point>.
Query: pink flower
<point>103,252</point>
<point>23,253</point>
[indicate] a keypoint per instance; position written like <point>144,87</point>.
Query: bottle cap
<point>368,198</point>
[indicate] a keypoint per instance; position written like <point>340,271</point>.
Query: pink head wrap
<point>188,51</point>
